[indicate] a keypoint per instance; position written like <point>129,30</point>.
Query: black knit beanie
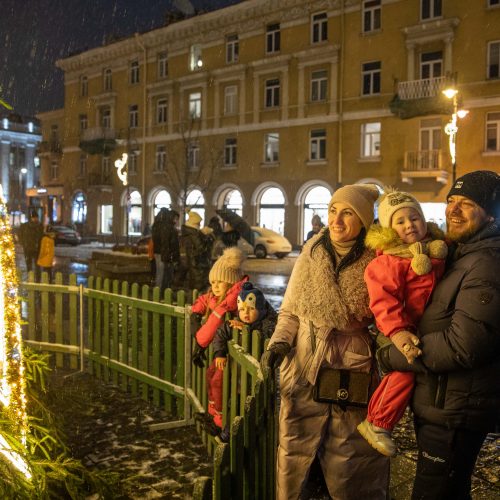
<point>482,187</point>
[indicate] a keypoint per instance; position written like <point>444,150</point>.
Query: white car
<point>268,242</point>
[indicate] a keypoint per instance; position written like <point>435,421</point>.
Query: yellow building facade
<point>269,106</point>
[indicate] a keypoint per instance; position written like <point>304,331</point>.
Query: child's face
<point>409,225</point>
<point>247,314</point>
<point>219,288</point>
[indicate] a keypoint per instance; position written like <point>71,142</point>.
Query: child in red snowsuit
<point>410,261</point>
<point>226,279</point>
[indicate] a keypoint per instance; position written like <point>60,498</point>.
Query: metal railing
<point>418,89</point>
<point>423,160</point>
<point>96,133</point>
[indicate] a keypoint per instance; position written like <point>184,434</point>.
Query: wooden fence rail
<point>134,338</point>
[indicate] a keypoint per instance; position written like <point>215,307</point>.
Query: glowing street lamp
<point>121,165</point>
<point>451,128</point>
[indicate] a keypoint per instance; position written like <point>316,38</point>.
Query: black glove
<point>198,358</point>
<point>273,357</point>
<point>383,359</point>
<point>390,359</point>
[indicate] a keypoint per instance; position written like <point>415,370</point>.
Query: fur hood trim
<point>315,294</point>
<point>383,238</point>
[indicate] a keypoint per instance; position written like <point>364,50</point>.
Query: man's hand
<point>273,357</point>
<point>220,363</point>
<point>198,358</point>
<point>406,342</point>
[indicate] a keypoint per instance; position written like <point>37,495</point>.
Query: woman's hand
<point>273,357</point>
<point>220,363</point>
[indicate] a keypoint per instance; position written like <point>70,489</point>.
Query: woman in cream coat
<point>323,322</point>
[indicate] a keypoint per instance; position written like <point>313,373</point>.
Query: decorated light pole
<point>121,165</point>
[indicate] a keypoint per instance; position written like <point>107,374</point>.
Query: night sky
<point>35,33</point>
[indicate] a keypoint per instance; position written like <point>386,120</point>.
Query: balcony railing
<point>99,179</point>
<point>50,147</point>
<point>420,89</point>
<point>423,160</point>
<point>98,133</point>
<point>98,140</point>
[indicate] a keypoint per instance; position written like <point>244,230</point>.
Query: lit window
<point>371,15</point>
<point>430,9</point>
<point>107,83</point>
<point>230,99</point>
<point>134,72</point>
<point>493,132</point>
<point>84,86</point>
<point>494,60</point>
<point>273,38</point>
<point>162,66</point>
<point>230,152</point>
<point>195,60</point>
<point>272,95</point>
<point>161,158</point>
<point>272,147</point>
<point>319,27</point>
<point>195,105</point>
<point>371,78</point>
<point>370,140</point>
<point>161,111</point>
<point>193,155</point>
<point>232,48</point>
<point>319,82</point>
<point>317,145</point>
<point>5,123</point>
<point>106,219</point>
<point>133,116</point>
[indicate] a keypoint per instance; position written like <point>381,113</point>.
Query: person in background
<point>46,256</point>
<point>30,236</point>
<point>317,225</point>
<point>169,248</point>
<point>324,348</point>
<point>410,261</point>
<point>147,229</point>
<point>152,261</point>
<point>456,400</point>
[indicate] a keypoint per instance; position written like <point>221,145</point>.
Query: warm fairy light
<point>122,172</point>
<point>12,381</point>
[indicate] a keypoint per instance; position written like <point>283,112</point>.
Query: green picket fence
<point>134,338</point>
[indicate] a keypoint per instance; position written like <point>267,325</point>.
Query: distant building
<point>267,107</point>
<point>19,167</point>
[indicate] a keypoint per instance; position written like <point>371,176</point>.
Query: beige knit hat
<point>194,219</point>
<point>227,267</point>
<point>360,197</point>
<point>393,200</point>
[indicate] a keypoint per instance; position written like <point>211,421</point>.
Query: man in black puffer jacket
<point>457,393</point>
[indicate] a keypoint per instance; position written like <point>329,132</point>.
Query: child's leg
<point>214,390</point>
<point>390,399</point>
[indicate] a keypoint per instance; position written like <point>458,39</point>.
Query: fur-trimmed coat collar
<point>315,294</point>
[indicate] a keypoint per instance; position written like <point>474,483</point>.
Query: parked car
<point>65,235</point>
<point>268,242</point>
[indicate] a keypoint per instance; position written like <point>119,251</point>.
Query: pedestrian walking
<point>169,248</point>
<point>456,400</point>
<point>327,368</point>
<point>46,256</point>
<point>30,236</point>
<point>410,261</point>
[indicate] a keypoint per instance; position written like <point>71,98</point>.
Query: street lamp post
<point>451,129</point>
<point>121,165</point>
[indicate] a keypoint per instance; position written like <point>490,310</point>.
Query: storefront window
<point>106,219</point>
<point>135,214</point>
<point>79,209</point>
<point>272,210</point>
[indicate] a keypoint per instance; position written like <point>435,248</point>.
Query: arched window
<point>315,202</point>
<point>161,200</point>
<point>234,201</point>
<point>272,210</point>
<point>79,208</point>
<point>196,201</point>
<point>135,213</point>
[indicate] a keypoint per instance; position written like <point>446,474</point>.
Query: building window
<point>161,111</point>
<point>371,15</point>
<point>232,48</point>
<point>195,105</point>
<point>370,140</point>
<point>195,60</point>
<point>134,72</point>
<point>132,163</point>
<point>319,82</point>
<point>494,60</point>
<point>83,166</point>
<point>162,64</point>
<point>493,132</point>
<point>317,145</point>
<point>493,3</point>
<point>107,81</point>
<point>272,96</point>
<point>133,116</point>
<point>106,169</point>
<point>193,155</point>
<point>106,219</point>
<point>84,86</point>
<point>161,158</point>
<point>371,78</point>
<point>430,9</point>
<point>273,38</point>
<point>431,65</point>
<point>230,152</point>
<point>272,147</point>
<point>105,117</point>
<point>230,99</point>
<point>319,27</point>
<point>84,122</point>
<point>54,170</point>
